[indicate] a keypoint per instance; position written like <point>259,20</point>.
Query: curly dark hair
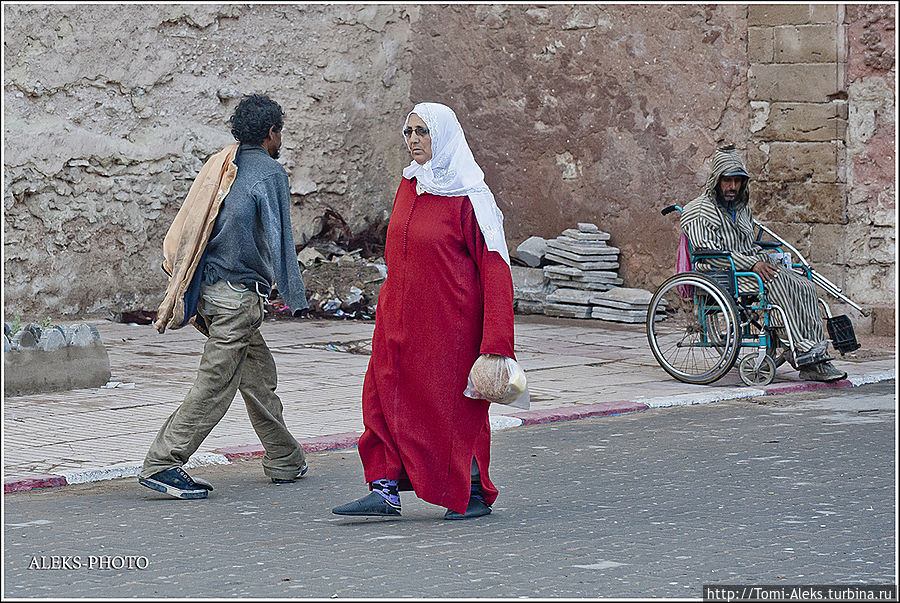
<point>253,117</point>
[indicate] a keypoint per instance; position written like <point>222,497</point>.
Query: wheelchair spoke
<point>700,337</point>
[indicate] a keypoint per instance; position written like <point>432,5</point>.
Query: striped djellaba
<point>710,225</point>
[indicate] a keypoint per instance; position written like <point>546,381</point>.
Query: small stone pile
<point>581,264</point>
<point>33,336</point>
<point>575,275</point>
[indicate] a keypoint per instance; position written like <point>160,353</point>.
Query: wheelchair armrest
<point>768,244</point>
<point>699,254</point>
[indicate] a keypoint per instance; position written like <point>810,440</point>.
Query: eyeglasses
<point>419,130</point>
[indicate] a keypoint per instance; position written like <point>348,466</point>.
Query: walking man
<point>230,244</point>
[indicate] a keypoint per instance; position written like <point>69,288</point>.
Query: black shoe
<point>476,508</point>
<point>374,504</point>
<point>176,482</point>
<point>291,480</point>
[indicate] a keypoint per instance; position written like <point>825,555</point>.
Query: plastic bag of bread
<point>498,379</point>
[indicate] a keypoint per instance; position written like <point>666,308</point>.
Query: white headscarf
<point>452,172</point>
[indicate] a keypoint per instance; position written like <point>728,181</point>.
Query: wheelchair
<point>699,322</point>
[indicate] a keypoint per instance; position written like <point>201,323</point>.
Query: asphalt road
<point>795,489</point>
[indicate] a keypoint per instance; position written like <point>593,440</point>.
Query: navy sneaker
<point>176,482</point>
<point>291,480</point>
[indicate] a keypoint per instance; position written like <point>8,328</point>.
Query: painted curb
<point>319,444</point>
<point>30,483</point>
<point>570,413</point>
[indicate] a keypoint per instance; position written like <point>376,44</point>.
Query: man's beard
<point>276,154</point>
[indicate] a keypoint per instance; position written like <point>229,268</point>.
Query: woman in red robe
<point>447,300</point>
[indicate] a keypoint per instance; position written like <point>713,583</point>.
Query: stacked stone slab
<point>530,290</point>
<point>580,264</point>
<point>623,304</point>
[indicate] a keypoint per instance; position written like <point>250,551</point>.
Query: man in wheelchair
<point>720,219</point>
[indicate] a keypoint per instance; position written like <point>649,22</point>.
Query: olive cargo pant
<point>235,357</point>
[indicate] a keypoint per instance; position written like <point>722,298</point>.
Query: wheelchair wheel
<point>700,338</point>
<point>751,376</point>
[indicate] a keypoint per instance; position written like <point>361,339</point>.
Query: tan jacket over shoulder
<point>187,236</point>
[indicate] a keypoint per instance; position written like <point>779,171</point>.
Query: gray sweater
<point>251,240</point>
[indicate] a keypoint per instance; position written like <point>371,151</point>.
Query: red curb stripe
<point>319,444</point>
<point>569,413</point>
<point>32,483</point>
<point>789,388</point>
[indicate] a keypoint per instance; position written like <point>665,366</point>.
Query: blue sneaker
<point>291,480</point>
<point>176,482</point>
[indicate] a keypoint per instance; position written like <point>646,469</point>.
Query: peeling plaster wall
<point>590,113</point>
<point>110,111</point>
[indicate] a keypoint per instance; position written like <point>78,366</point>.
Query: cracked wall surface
<point>591,113</point>
<point>580,112</point>
<point>110,111</point>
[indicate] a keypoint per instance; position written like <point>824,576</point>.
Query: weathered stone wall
<point>110,110</point>
<point>577,113</point>
<point>868,266</point>
<point>822,141</point>
<point>590,113</point>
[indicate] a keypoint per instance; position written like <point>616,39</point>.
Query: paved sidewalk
<point>575,369</point>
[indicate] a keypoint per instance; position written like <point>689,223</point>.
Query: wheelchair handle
<point>667,210</point>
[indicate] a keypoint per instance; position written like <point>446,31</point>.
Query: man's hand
<point>765,270</point>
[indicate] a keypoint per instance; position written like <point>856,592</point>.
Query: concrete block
<point>532,250</point>
<point>761,44</point>
<point>52,339</point>
<point>870,244</point>
<point>527,279</point>
<point>567,311</point>
<point>24,339</point>
<point>829,243</point>
<point>803,162</point>
<point>865,284</point>
<point>570,296</point>
<point>309,256</point>
<point>32,371</point>
<point>528,307</point>
<point>587,227</point>
<point>590,265</point>
<point>806,44</point>
<point>823,13</point>
<point>805,122</point>
<point>788,82</point>
<point>579,235</point>
<point>586,248</point>
<point>79,335</point>
<point>799,202</point>
<point>884,322</point>
<point>778,14</point>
